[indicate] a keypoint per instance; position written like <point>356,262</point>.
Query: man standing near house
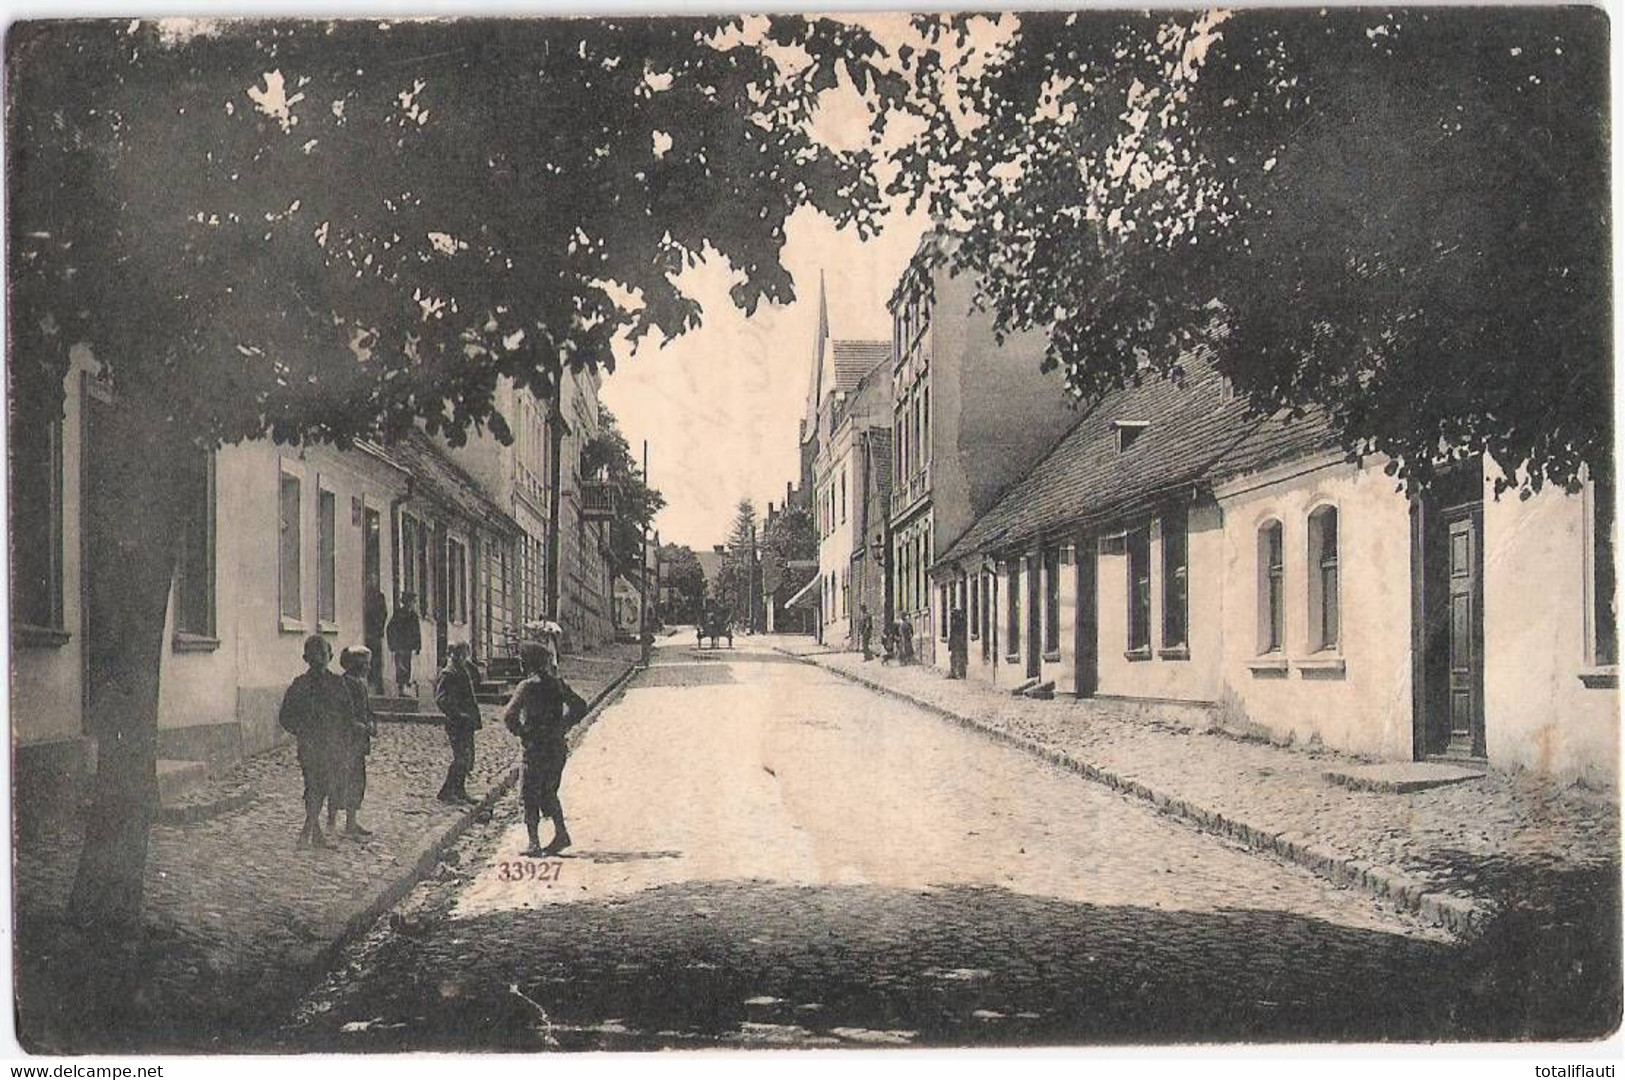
<point>316,711</point>
<point>405,638</point>
<point>374,619</point>
<point>866,632</point>
<point>454,693</point>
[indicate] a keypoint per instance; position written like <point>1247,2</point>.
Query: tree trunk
<point>138,467</point>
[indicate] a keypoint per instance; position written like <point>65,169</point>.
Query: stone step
<point>178,778</point>
<point>1401,777</point>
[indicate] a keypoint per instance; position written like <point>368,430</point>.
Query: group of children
<point>330,716</point>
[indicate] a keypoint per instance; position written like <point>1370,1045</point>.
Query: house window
<point>973,609</point>
<point>36,520</point>
<point>925,424</point>
<point>426,591</point>
<point>288,568</point>
<point>988,590</point>
<point>1604,580</point>
<point>409,565</point>
<point>1137,546</point>
<point>457,580</point>
<point>1271,609</point>
<point>326,558</point>
<point>1052,599</point>
<point>1175,578</point>
<point>843,493</point>
<point>942,609</point>
<point>194,578</point>
<point>1323,598</point>
<point>1012,607</point>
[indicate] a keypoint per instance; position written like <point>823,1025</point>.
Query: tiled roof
<point>1196,436</point>
<point>445,482</point>
<point>855,359</point>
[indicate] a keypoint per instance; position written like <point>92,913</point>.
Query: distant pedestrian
<point>543,708</point>
<point>350,784</point>
<point>958,644</point>
<point>374,619</point>
<point>905,640</point>
<point>454,693</point>
<point>866,632</point>
<point>888,642</point>
<point>316,711</point>
<point>405,639</point>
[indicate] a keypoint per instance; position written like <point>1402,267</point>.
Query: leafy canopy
<point>329,230</point>
<point>1399,219</point>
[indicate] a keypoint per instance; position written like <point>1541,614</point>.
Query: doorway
<point>1448,623</point>
<point>1086,626</point>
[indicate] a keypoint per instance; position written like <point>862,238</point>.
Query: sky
<point>720,405</point>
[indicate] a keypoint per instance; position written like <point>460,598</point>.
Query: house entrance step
<point>1400,777</point>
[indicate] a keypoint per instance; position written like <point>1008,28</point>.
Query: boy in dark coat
<point>543,708</point>
<point>316,710</point>
<point>351,787</point>
<point>405,638</point>
<point>454,693</point>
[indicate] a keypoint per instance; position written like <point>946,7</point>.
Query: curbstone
<point>1460,915</point>
<point>328,954</point>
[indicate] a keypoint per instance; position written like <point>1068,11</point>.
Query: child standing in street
<point>316,711</point>
<point>351,786</point>
<point>543,708</point>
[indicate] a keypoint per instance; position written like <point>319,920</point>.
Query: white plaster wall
<point>1196,678</point>
<point>1538,714</point>
<point>1367,707</point>
<point>47,681</point>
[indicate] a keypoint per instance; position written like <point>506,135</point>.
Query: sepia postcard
<point>1066,528</point>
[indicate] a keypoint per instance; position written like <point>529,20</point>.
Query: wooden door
<point>1465,674</point>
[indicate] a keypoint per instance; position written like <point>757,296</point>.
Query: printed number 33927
<point>528,870</point>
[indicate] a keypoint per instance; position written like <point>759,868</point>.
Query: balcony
<point>598,499</point>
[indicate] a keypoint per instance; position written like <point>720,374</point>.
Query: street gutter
<point>325,958</point>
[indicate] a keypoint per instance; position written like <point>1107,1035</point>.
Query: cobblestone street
<point>767,854</point>
<point>239,922</point>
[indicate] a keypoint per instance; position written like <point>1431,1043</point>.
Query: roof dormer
<point>1128,431</point>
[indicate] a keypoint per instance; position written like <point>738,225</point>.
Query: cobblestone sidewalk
<point>239,922</point>
<point>1517,865</point>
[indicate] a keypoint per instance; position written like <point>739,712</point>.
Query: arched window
<point>1323,585</point>
<point>1271,583</point>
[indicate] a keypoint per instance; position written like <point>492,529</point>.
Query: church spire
<point>815,385</point>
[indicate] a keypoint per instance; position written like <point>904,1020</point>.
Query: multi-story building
<point>858,401</point>
<point>586,596</point>
<point>512,584</point>
<point>280,542</point>
<point>970,415</point>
